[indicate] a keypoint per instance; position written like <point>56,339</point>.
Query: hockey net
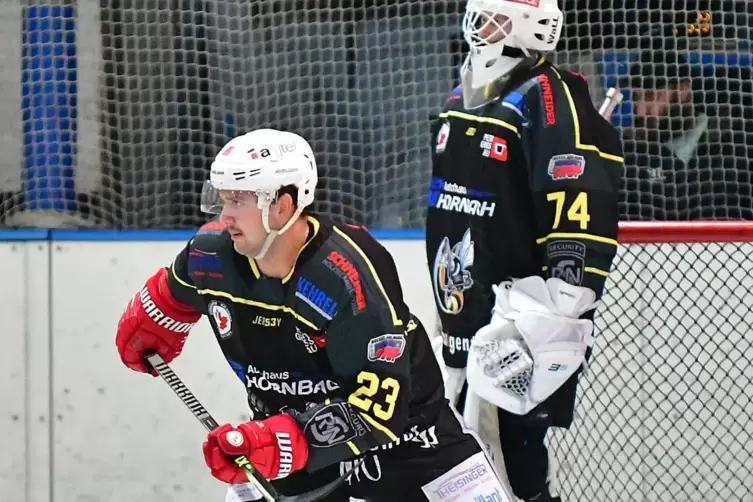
<point>665,411</point>
<point>113,109</point>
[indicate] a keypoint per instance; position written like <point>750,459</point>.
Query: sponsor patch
<point>566,167</point>
<point>442,137</point>
<point>311,346</point>
<point>348,273</point>
<point>386,348</point>
<point>267,322</point>
<point>456,343</point>
<point>369,467</point>
<point>494,147</point>
<point>567,260</point>
<point>315,298</point>
<point>547,101</point>
<point>204,264</point>
<point>289,383</point>
<point>449,196</point>
<point>472,480</point>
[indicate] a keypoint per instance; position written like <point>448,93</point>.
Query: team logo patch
<point>334,424</point>
<point>222,319</point>
<point>386,348</point>
<point>450,274</point>
<point>566,167</point>
<point>442,137</point>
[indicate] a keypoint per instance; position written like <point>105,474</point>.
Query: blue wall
<point>49,101</point>
<point>152,235</point>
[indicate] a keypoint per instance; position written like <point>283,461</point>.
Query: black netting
<point>664,413</point>
<point>123,106</point>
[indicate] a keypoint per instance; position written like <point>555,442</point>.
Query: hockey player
<point>310,315</point>
<point>522,219</point>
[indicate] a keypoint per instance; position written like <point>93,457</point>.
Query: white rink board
<point>118,436</point>
<point>154,443</point>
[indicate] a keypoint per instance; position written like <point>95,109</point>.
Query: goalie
<point>522,224</point>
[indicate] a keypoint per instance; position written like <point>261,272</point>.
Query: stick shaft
<point>611,101</point>
<point>198,410</point>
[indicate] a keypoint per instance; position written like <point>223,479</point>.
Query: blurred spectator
<point>688,154</point>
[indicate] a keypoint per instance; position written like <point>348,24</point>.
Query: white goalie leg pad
<point>480,416</point>
<point>533,344</point>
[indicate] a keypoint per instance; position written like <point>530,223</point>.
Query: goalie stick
<point>268,491</point>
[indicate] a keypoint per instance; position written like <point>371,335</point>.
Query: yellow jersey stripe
<point>395,320</point>
<point>379,426</point>
<point>574,235</point>
<point>314,223</point>
<point>597,271</point>
<point>254,267</point>
<point>480,120</point>
<point>354,448</point>
<point>592,270</point>
<point>180,281</point>
<point>266,306</point>
<point>576,126</point>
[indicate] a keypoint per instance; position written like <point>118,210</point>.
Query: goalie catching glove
<point>534,343</point>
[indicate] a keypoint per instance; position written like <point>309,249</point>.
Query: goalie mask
<point>501,34</point>
<point>534,343</point>
<point>262,162</point>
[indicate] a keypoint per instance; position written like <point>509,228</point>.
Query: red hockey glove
<point>153,320</point>
<point>276,447</point>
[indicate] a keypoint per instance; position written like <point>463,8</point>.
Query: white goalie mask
<point>492,26</point>
<point>262,162</point>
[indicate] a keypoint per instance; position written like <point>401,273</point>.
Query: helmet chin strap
<point>272,234</point>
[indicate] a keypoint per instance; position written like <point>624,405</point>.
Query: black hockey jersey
<point>332,343</point>
<point>527,184</point>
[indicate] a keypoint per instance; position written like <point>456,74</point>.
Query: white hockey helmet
<point>491,26</point>
<point>262,162</point>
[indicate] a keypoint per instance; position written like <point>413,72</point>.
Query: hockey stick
<point>611,100</point>
<point>268,491</point>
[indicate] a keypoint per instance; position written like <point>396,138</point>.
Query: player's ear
<point>283,208</point>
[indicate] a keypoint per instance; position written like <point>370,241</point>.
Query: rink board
<point>79,426</point>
